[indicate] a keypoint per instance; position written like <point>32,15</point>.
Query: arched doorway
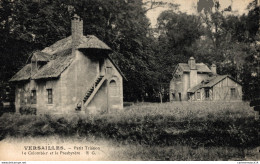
<point>113,95</point>
<point>113,89</point>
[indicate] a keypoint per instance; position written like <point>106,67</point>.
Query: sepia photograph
<point>129,80</point>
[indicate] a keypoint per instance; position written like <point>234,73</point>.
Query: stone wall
<point>24,90</point>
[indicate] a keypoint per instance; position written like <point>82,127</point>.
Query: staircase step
<point>90,91</point>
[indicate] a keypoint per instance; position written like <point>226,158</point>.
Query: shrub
<point>27,110</point>
<point>193,124</point>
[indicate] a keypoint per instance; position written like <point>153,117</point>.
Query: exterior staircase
<point>91,92</point>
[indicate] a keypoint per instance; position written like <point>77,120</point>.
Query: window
<point>113,88</point>
<point>206,93</point>
<point>33,97</point>
<point>233,92</point>
<point>173,96</point>
<point>50,96</point>
<point>180,96</point>
<point>101,64</point>
<point>109,70</point>
<point>198,95</point>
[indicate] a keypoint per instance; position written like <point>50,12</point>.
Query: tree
<point>26,26</point>
<point>123,25</point>
<point>233,46</point>
<point>178,32</point>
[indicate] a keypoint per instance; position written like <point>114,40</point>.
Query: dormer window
<point>34,66</point>
<point>204,81</point>
<point>41,64</point>
<point>39,59</point>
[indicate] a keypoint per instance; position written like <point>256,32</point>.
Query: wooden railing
<point>96,88</point>
<point>88,96</point>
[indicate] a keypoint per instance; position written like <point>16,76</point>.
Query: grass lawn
<point>115,151</point>
<point>148,131</point>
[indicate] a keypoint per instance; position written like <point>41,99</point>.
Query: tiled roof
<point>195,88</point>
<point>201,67</point>
<point>41,56</point>
<point>55,67</point>
<point>210,82</point>
<point>58,57</point>
<point>58,63</point>
<point>92,42</point>
<point>23,74</point>
<point>85,42</point>
<point>214,80</point>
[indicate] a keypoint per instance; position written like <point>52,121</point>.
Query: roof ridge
<point>201,67</point>
<point>61,53</point>
<point>55,67</point>
<point>212,79</point>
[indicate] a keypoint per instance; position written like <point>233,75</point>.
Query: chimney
<point>214,69</point>
<point>76,29</point>
<point>192,63</point>
<point>193,72</point>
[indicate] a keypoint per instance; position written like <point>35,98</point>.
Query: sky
<point>190,7</point>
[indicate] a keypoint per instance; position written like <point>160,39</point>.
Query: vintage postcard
<point>129,80</point>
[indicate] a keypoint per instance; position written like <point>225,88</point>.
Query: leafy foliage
<point>179,32</point>
<point>27,26</point>
<point>206,124</point>
<point>231,41</point>
<point>147,60</point>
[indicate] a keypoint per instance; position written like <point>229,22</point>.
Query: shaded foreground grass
<point>116,151</point>
<point>157,130</point>
<point>184,153</point>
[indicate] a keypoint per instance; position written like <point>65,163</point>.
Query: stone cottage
<point>196,82</point>
<point>74,74</point>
